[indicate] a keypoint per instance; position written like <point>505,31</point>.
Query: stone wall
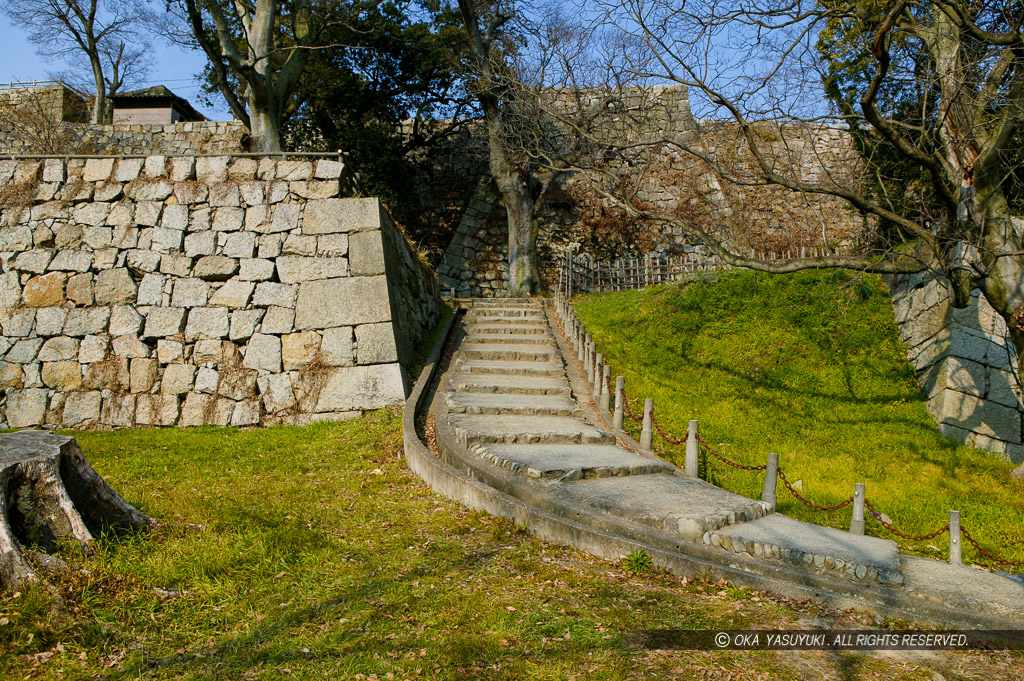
<point>764,219</point>
<point>965,363</point>
<point>188,291</point>
<point>199,137</point>
<point>54,102</point>
<point>53,119</point>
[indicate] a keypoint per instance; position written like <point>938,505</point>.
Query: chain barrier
<point>627,408</point>
<point>707,448</point>
<point>816,507</point>
<point>986,553</point>
<point>665,436</point>
<point>726,461</point>
<point>912,537</point>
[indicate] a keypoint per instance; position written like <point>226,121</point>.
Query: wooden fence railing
<point>582,274</point>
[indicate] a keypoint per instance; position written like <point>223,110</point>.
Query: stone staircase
<point>509,402</point>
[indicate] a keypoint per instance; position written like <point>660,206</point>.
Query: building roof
<point>157,95</point>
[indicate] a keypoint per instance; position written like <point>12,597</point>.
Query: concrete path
<point>512,413</point>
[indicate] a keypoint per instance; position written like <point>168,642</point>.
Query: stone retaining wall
<point>965,364</point>
<point>53,119</point>
<point>750,217</point>
<point>199,137</point>
<point>184,291</point>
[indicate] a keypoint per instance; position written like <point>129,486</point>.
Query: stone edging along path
<point>518,436</point>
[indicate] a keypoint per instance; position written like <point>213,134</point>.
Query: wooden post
<point>955,549</point>
<point>692,468</point>
<point>857,521</point>
<point>620,395</point>
<point>606,396</point>
<point>598,374</point>
<point>771,475</point>
<point>647,432</point>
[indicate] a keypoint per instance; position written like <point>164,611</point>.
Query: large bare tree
<point>257,51</point>
<point>545,111</point>
<point>929,92</point>
<point>107,34</point>
<point>512,176</point>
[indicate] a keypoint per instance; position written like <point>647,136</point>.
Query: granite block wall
<point>760,218</point>
<point>965,364</point>
<point>53,119</point>
<point>199,137</point>
<point>187,291</point>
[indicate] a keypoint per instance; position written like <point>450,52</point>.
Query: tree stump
<point>49,494</point>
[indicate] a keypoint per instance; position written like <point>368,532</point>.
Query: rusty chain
<point>986,553</point>
<point>912,537</point>
<point>665,436</point>
<point>816,507</point>
<point>627,408</point>
<point>630,413</point>
<point>726,461</point>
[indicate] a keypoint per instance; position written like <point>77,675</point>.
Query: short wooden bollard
<point>606,397</point>
<point>771,475</point>
<point>647,432</point>
<point>692,468</point>
<point>598,374</point>
<point>857,521</point>
<point>620,398</point>
<point>955,553</point>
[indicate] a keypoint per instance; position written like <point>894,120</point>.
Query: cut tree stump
<point>49,494</point>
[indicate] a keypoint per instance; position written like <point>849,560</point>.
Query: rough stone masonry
<point>166,291</point>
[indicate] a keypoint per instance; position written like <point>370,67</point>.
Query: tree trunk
<point>265,127</point>
<point>523,268</point>
<point>49,495</point>
<point>513,182</point>
<point>99,104</point>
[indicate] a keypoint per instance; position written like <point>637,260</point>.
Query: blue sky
<point>173,67</point>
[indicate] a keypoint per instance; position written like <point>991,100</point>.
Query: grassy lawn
<point>808,365</point>
<point>314,553</point>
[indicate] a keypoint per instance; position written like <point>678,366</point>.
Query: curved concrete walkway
<point>519,435</point>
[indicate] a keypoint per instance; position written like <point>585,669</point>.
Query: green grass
<point>313,553</point>
<point>808,365</point>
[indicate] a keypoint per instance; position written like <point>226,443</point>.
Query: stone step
<point>527,313</point>
<point>473,429</point>
<point>778,537</point>
<point>507,338</point>
<point>510,384</point>
<point>473,318</point>
<point>525,303</point>
<point>570,462</point>
<point>683,506</point>
<point>509,329</point>
<point>509,351</point>
<point>527,309</point>
<point>524,405</point>
<point>509,368</point>
<point>497,300</point>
